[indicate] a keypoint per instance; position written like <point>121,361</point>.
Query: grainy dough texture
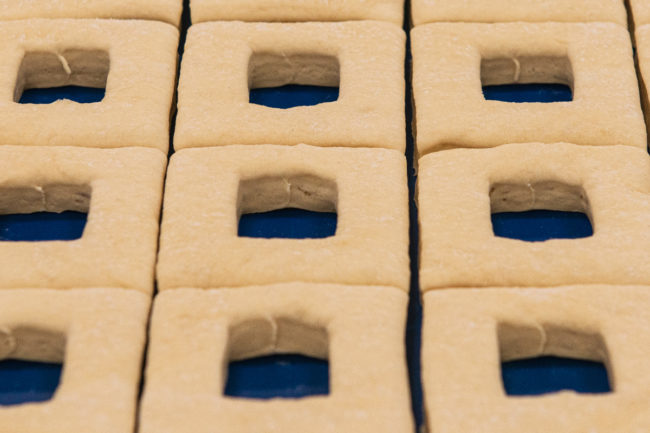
<point>640,12</point>
<point>134,60</point>
<point>427,11</point>
<point>120,189</point>
<point>223,60</point>
<point>642,37</point>
<point>459,189</point>
<point>451,63</point>
<point>195,333</point>
<point>160,10</point>
<point>468,333</point>
<point>301,10</point>
<point>208,189</point>
<point>98,335</point>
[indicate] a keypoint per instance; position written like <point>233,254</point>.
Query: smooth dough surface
<point>301,10</point>
<point>223,60</point>
<point>161,10</point>
<point>195,333</point>
<point>134,60</point>
<point>99,336</point>
<point>459,189</point>
<point>208,189</point>
<point>467,333</point>
<point>451,62</point>
<point>120,189</point>
<point>427,11</point>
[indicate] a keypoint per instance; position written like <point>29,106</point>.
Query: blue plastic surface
<point>83,95</point>
<point>528,93</point>
<point>293,374</point>
<point>42,226</point>
<point>293,95</point>
<point>24,381</point>
<point>284,376</point>
<point>288,223</point>
<point>541,225</point>
<point>552,374</point>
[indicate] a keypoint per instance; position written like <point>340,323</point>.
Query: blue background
<point>292,375</point>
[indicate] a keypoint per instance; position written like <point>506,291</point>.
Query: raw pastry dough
<point>223,60</point>
<point>138,56</point>
<point>302,10</point>
<point>207,190</point>
<point>162,10</point>
<point>467,333</point>
<point>642,37</point>
<point>426,11</point>
<point>458,190</point>
<point>194,334</point>
<point>121,190</point>
<point>595,59</point>
<point>99,334</point>
<point>640,11</point>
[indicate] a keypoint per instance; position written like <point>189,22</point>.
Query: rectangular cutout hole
<point>542,79</point>
<point>281,358</point>
<point>272,376</point>
<point>28,381</point>
<point>76,75</point>
<point>555,359</point>
<point>296,208</point>
<point>539,212</point>
<point>49,213</point>
<point>548,374</point>
<point>280,81</point>
<point>31,362</point>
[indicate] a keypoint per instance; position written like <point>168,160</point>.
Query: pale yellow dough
<point>452,61</point>
<point>640,12</point>
<point>121,189</point>
<point>427,11</point>
<point>642,36</point>
<point>223,60</point>
<point>138,56</point>
<point>160,10</point>
<point>208,189</point>
<point>99,336</point>
<point>467,333</point>
<point>195,333</point>
<point>458,190</point>
<point>301,10</point>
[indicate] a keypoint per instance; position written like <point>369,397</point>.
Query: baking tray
<point>294,376</point>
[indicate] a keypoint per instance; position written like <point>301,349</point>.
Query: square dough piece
<point>303,10</point>
<point>99,335</point>
<point>195,333</point>
<point>208,189</point>
<point>467,333</point>
<point>161,10</point>
<point>223,60</point>
<point>459,189</point>
<point>121,189</point>
<point>427,11</point>
<point>595,59</point>
<point>138,56</point>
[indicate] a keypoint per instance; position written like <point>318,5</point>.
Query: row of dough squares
<point>208,189</point>
<point>136,62</point>
<point>359,329</point>
<point>422,11</point>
